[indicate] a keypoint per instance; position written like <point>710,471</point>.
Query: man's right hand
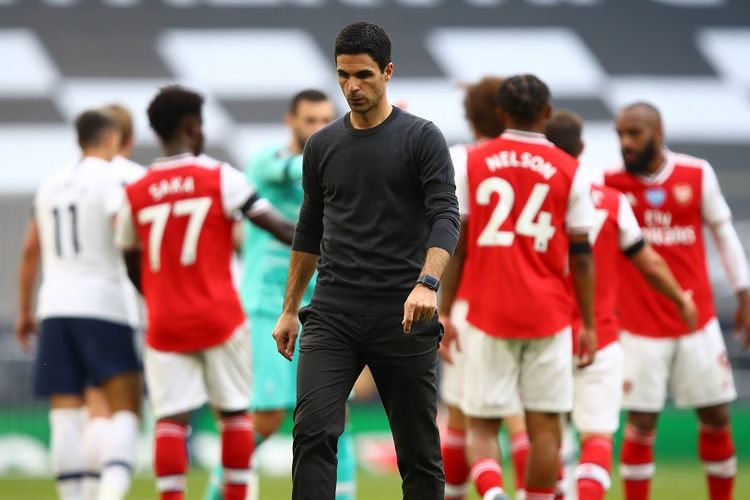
<point>285,334</point>
<point>25,327</point>
<point>450,336</point>
<point>688,310</point>
<point>586,347</point>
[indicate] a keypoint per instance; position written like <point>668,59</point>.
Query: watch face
<point>430,282</point>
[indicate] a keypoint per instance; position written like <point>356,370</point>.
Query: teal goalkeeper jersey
<point>277,175</point>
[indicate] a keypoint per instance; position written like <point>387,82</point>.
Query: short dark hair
<point>92,125</point>
<point>365,38</point>
<point>564,131</point>
<point>480,103</point>
<point>170,106</point>
<point>524,98</point>
<point>312,95</point>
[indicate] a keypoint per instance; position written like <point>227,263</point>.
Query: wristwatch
<point>430,282</point>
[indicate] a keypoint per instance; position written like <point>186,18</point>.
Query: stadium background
<point>690,57</point>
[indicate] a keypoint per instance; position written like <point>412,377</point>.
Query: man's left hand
<point>419,306</point>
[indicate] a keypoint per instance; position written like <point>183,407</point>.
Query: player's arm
<point>28,270</point>
<point>238,193</point>
<point>126,238</point>
<point>656,271</point>
<point>260,212</point>
<point>448,289</point>
<point>581,262</point>
<point>651,265</point>
<point>717,215</point>
<point>438,185</point>
<point>305,253</point>
<point>579,220</point>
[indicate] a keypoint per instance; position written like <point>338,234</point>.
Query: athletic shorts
<point>496,370</point>
<point>597,392</point>
<point>451,374</point>
<point>695,367</point>
<point>181,382</point>
<point>274,377</point>
<point>76,352</point>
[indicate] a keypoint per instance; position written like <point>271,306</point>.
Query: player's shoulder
<point>682,160</point>
<point>616,176</point>
<point>127,170</point>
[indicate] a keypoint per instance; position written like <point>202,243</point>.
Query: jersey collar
<point>661,175</point>
<point>525,136</point>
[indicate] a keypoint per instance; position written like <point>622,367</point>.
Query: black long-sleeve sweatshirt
<point>375,201</point>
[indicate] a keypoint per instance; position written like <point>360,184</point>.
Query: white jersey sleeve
<point>580,218</point>
<point>714,208</point>
<point>460,158</point>
<point>236,191</point>
<point>126,236</point>
<point>627,225</point>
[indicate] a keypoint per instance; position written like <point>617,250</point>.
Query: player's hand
<point>450,336</point>
<point>285,334</point>
<point>586,347</point>
<point>688,310</point>
<point>421,304</point>
<point>25,327</point>
<point>742,318</point>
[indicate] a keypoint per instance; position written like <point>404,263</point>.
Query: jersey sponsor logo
<point>659,230</point>
<point>683,193</point>
<point>175,185</point>
<point>506,159</point>
<point>655,197</point>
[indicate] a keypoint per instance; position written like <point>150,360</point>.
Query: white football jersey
<point>82,269</point>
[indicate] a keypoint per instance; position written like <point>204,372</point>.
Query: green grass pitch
<point>673,480</point>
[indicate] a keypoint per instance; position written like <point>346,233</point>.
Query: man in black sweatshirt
<point>380,220</point>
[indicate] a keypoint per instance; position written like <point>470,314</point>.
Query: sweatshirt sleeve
<point>309,230</point>
<point>439,188</point>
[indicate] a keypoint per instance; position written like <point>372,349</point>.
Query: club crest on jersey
<point>655,197</point>
<point>683,193</point>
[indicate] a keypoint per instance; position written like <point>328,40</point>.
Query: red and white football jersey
<point>459,157</point>
<point>182,211</point>
<point>615,231</point>
<point>523,196</point>
<point>671,207</point>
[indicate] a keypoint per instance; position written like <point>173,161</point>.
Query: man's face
<point>308,118</point>
<point>361,81</point>
<point>639,141</point>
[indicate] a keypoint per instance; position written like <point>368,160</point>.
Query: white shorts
<point>451,374</point>
<point>181,382</point>
<point>496,370</point>
<point>597,392</point>
<point>695,367</point>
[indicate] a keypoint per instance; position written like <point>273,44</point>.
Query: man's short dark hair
<point>564,131</point>
<point>170,106</point>
<point>92,126</point>
<point>365,38</point>
<point>480,103</point>
<point>311,95</point>
<point>523,98</point>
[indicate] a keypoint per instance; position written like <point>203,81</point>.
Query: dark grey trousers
<point>334,348</point>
